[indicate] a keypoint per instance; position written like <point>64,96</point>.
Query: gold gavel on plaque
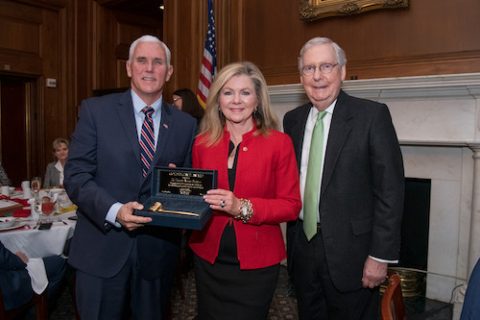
<point>158,207</point>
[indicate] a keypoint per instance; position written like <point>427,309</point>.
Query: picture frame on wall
<point>311,10</point>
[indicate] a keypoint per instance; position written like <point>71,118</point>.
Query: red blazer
<point>266,175</point>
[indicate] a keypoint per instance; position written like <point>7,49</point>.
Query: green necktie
<point>312,183</point>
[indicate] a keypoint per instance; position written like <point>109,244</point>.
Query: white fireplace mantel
<point>437,120</point>
<point>454,98</point>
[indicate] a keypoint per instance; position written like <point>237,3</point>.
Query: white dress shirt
<point>307,139</point>
<point>59,167</point>
<point>138,106</point>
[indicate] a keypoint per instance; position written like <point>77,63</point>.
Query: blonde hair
<point>214,121</point>
<point>57,142</point>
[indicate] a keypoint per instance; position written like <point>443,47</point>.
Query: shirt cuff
<point>112,214</point>
<point>383,260</point>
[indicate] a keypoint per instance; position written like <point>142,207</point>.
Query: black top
<point>227,253</point>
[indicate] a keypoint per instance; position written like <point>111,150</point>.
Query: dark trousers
<point>124,296</point>
<point>55,267</point>
<point>317,296</point>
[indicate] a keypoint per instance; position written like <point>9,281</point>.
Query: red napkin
<point>21,213</point>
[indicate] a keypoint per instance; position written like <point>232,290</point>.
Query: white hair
<point>149,38</point>
<point>341,57</point>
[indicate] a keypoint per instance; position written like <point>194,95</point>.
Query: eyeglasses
<point>324,68</point>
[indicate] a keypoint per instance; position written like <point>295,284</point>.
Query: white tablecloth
<point>39,243</point>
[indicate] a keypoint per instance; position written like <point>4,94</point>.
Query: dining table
<point>35,242</point>
<point>36,236</point>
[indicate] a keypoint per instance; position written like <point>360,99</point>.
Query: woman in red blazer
<point>238,253</point>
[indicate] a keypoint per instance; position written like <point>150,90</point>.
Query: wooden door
<point>15,127</point>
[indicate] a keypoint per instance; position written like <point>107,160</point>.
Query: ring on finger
<point>222,204</point>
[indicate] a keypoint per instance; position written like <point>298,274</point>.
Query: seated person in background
<point>185,100</point>
<point>54,172</point>
<point>15,282</point>
<point>4,181</point>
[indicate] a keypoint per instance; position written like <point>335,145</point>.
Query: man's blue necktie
<point>147,140</point>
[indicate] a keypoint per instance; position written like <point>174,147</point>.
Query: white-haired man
<point>123,267</point>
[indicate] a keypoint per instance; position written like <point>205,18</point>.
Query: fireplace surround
<point>437,120</point>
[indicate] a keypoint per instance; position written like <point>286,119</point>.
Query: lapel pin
<point>165,126</point>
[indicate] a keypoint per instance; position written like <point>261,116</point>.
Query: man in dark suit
<point>123,265</point>
<point>338,259</point>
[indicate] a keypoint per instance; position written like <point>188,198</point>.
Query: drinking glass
<point>36,184</point>
<point>47,207</point>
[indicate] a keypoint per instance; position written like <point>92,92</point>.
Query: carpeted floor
<point>283,305</point>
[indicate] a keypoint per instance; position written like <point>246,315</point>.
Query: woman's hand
<point>223,200</point>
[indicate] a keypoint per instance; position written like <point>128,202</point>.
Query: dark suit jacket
<point>15,283</point>
<point>471,304</point>
<point>104,167</point>
<point>362,188</point>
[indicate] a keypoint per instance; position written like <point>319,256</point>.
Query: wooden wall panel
<point>20,63</point>
<point>20,39</point>
<point>230,20</point>
<point>115,30</point>
<point>11,29</point>
<point>185,25</point>
<point>33,47</point>
<point>82,51</point>
<point>430,37</point>
<point>52,120</point>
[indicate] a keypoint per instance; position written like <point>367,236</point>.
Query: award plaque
<point>177,197</point>
<point>187,182</point>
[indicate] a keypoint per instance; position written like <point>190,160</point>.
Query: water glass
<point>36,184</point>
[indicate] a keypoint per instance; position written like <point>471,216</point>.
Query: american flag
<point>209,59</point>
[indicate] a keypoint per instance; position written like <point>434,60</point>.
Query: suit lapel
<point>127,118</point>
<point>298,131</point>
<point>340,128</point>
<point>166,123</point>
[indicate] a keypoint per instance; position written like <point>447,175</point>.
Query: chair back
<point>392,306</point>
<point>38,301</point>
